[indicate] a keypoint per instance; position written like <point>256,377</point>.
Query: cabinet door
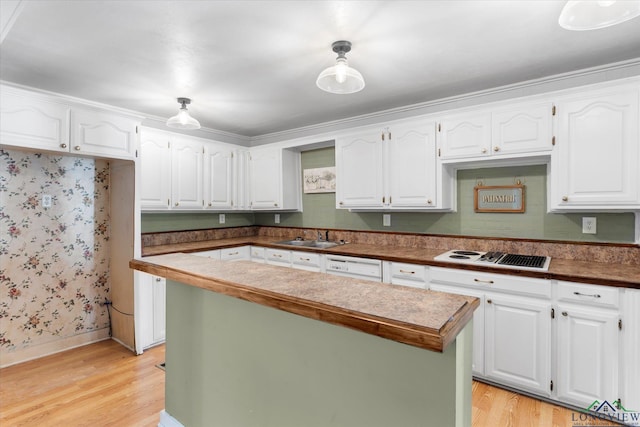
<point>265,178</point>
<point>596,159</point>
<point>412,166</point>
<point>359,173</point>
<point>477,364</point>
<point>522,129</point>
<point>159,309</point>
<point>33,123</point>
<point>218,173</point>
<point>155,170</point>
<point>517,346</point>
<point>465,136</point>
<point>101,134</point>
<point>186,174</point>
<point>587,354</point>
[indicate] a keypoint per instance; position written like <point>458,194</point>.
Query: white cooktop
<point>496,259</point>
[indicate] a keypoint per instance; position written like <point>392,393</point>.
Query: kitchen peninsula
<point>336,351</point>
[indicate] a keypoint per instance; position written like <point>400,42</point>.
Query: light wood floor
<point>104,384</point>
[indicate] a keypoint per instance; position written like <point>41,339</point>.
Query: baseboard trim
<point>167,420</point>
<point>8,358</point>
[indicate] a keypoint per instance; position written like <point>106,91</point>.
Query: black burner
<point>465,253</point>
<point>460,256</point>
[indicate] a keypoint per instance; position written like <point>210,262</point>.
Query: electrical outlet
<point>276,218</point>
<point>46,200</point>
<point>221,218</point>
<point>386,220</point>
<point>588,225</point>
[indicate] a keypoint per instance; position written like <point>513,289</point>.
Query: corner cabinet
<point>594,165</point>
<point>391,167</point>
<point>275,179</point>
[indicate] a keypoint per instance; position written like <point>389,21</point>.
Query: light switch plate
<point>386,220</point>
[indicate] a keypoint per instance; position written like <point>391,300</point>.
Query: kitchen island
<point>261,345</point>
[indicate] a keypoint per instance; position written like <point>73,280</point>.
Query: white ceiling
<point>250,66</point>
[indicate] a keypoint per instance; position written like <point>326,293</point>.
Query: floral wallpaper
<point>54,272</point>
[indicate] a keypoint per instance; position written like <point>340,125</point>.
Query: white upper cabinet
<point>359,173</point>
<point>218,177</point>
<point>274,179</point>
<point>42,123</point>
<point>186,173</point>
<point>155,170</point>
<point>595,162</point>
<point>33,123</point>
<point>101,134</point>
<point>391,167</point>
<point>466,135</point>
<point>524,128</point>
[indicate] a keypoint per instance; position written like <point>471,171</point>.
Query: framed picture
<point>319,180</point>
<point>499,198</point>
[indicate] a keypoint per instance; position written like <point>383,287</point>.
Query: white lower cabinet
<point>518,342</point>
<point>235,254</point>
<point>257,254</point>
<point>278,257</point>
<point>152,309</point>
<point>399,273</point>
<point>307,261</point>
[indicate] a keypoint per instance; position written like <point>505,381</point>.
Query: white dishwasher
<point>358,268</point>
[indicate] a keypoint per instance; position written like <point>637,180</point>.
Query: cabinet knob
<point>564,313</point>
<point>489,301</point>
<point>158,279</point>
<point>275,204</point>
<point>496,148</point>
<point>77,148</point>
<point>429,201</point>
<point>565,198</point>
<point>177,203</point>
<point>63,145</point>
<point>341,203</point>
<point>209,203</point>
<point>484,150</point>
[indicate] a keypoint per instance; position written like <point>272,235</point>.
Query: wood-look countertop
<point>421,318</point>
<point>619,275</point>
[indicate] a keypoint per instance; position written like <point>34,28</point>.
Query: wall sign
<point>499,198</point>
<point>319,180</point>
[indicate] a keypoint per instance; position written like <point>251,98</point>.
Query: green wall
<point>319,212</point>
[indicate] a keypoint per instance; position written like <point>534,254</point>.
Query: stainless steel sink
<point>319,244</point>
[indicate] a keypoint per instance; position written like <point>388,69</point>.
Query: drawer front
<point>257,253</point>
<point>601,296</point>
<point>278,255</point>
<point>497,282</point>
<point>401,272</point>
<point>230,254</point>
<point>214,254</point>
<point>305,258</point>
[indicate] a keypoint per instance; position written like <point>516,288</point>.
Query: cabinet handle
<point>565,198</point>
<point>587,295</point>
<point>158,279</point>
<point>277,255</point>
<point>496,148</point>
<point>564,313</point>
<point>483,281</point>
<point>77,148</point>
<point>233,253</point>
<point>407,271</point>
<point>489,301</point>
<point>304,259</point>
<point>484,150</point>
<point>429,202</point>
<point>63,145</point>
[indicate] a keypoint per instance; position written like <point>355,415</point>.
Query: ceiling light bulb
<point>341,70</point>
<point>183,119</point>
<point>583,15</point>
<point>340,78</point>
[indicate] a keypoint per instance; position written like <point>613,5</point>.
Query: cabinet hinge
<point>202,150</point>
<point>438,152</point>
<point>136,129</point>
<point>553,110</point>
<point>136,154</point>
<point>389,199</point>
<point>382,136</point>
<point>383,199</point>
<point>232,155</point>
<point>439,127</point>
<point>551,386</point>
<point>168,144</point>
<point>553,313</point>
<point>168,202</point>
<point>620,324</point>
<point>553,141</point>
<point>389,136</point>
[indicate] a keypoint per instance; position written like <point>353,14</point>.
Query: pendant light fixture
<point>183,120</point>
<point>583,15</point>
<point>341,78</point>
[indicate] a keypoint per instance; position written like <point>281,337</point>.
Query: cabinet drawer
<point>305,258</point>
<point>230,254</point>
<point>412,272</point>
<point>278,257</point>
<point>602,296</point>
<point>257,254</point>
<point>498,282</point>
<point>215,254</point>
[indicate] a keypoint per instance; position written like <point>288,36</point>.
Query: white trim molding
<point>167,420</point>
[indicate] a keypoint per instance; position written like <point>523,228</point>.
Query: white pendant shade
<point>341,78</point>
<point>583,15</point>
<point>183,119</point>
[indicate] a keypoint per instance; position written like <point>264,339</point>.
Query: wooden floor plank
<point>105,384</point>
